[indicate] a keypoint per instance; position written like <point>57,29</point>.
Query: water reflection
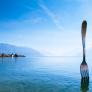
<point>84,84</point>
<point>3,60</point>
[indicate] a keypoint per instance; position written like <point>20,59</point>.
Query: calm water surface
<point>43,74</point>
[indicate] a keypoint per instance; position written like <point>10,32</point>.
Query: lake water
<point>43,74</point>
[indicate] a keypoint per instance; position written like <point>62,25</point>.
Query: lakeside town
<point>11,55</point>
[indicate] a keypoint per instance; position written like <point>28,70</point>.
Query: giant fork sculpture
<point>84,67</point>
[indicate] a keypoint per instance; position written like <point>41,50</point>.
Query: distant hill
<point>8,49</point>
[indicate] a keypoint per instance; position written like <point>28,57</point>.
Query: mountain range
<point>8,49</point>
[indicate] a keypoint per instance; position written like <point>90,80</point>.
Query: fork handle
<point>83,32</point>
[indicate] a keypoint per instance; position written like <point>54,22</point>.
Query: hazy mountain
<point>8,49</point>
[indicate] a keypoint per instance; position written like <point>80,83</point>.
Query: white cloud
<point>54,18</point>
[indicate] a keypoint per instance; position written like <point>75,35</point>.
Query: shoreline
<point>10,55</point>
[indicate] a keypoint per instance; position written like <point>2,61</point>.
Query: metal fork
<point>84,67</point>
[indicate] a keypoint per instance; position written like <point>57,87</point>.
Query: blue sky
<point>52,27</point>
